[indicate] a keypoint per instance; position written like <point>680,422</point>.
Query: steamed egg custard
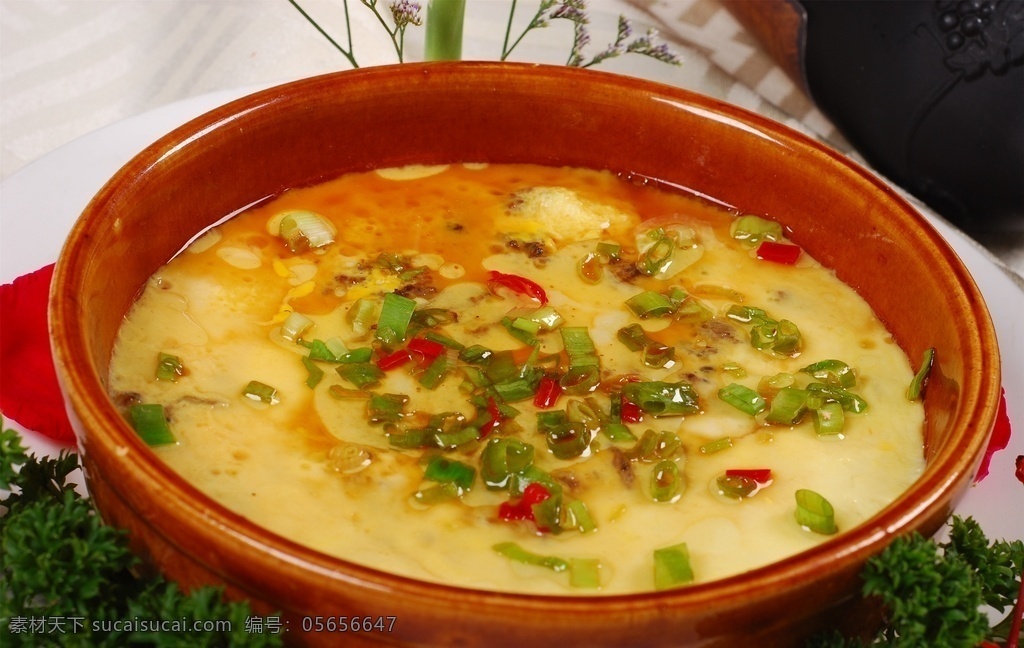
<point>520,378</point>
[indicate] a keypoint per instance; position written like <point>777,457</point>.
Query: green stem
<point>445,19</point>
<point>350,55</point>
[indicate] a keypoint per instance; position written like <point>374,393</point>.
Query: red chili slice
<point>428,348</point>
<point>548,392</point>
<point>394,360</point>
<point>520,285</point>
<point>534,493</point>
<point>495,412</point>
<point>760,475</point>
<point>783,253</point>
<point>630,412</point>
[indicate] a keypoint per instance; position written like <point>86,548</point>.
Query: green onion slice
<point>716,446</point>
<point>672,567</point>
<point>514,552</point>
<point>316,374</point>
<point>662,398</point>
<point>829,418</point>
<point>302,230</point>
<point>814,512</point>
<point>650,304</point>
<point>743,398</point>
<point>666,483</point>
<point>753,229</point>
<point>833,372</point>
<point>169,367</point>
<point>921,377</point>
<point>295,325</point>
<point>395,315</point>
<point>150,423</point>
<point>442,469</point>
<point>262,392</point>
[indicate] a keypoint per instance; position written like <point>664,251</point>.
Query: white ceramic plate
<point>39,204</point>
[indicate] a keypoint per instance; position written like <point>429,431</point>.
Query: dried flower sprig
<point>444,27</point>
<point>403,14</point>
<point>575,11</point>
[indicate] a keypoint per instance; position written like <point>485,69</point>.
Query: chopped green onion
<point>360,317</point>
<point>410,439</point>
<point>357,356</point>
<point>547,317</point>
<point>578,517</point>
<point>692,310</point>
<point>753,229</point>
<point>295,325</point>
<point>302,230</point>
<point>610,250</point>
<point>578,346</point>
<point>168,367</point>
<point>747,314</point>
<point>743,398</point>
<point>585,573</point>
<point>262,392</point>
<point>921,377</point>
<point>788,406</point>
<point>444,340</point>
<point>736,487</point>
<point>768,386</point>
<point>435,372</point>
<point>150,424</point>
<point>589,268</point>
<point>456,438</point>
<point>650,304</point>
<point>565,440</point>
<point>395,315</point>
<point>475,354</point>
<point>336,347</point>
<point>501,459</point>
<point>828,419</point>
<point>658,257</point>
<point>515,390</point>
<point>318,350</point>
<point>851,402</point>
<point>442,492</point>
<point>716,446</point>
<point>580,379</point>
<point>386,408</point>
<point>662,398</point>
<point>316,374</point>
<point>814,512</point>
<point>514,552</point>
<point>672,567</point>
<point>344,393</point>
<point>665,481</point>
<point>833,372</point>
<point>361,374</point>
<point>654,353</point>
<point>442,469</point>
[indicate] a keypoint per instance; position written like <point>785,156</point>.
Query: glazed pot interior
<point>319,128</point>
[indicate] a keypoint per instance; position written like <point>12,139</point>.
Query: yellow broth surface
<point>319,465</point>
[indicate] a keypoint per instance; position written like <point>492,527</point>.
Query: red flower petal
<point>29,393</point>
<point>1000,437</point>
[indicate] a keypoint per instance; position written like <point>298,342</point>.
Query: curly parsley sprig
<point>933,592</point>
<point>64,567</point>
